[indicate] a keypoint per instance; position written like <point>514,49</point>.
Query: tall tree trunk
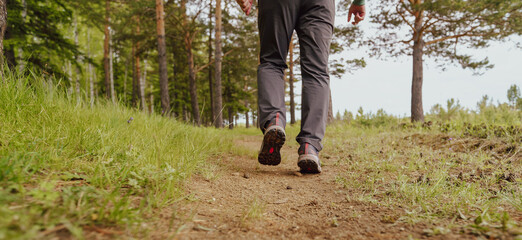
<point>111,68</point>
<point>21,60</point>
<point>254,118</point>
<point>246,117</point>
<point>89,70</point>
<point>228,94</point>
<point>330,108</point>
<point>192,85</point>
<point>230,118</point>
<point>174,96</point>
<point>210,87</point>
<point>151,90</point>
<point>106,51</point>
<point>139,87</point>
<point>125,82</point>
<point>3,27</point>
<point>218,98</point>
<point>291,82</point>
<point>245,89</point>
<point>70,78</point>
<point>162,58</point>
<point>143,81</point>
<point>417,112</point>
<point>135,75</point>
<point>76,79</point>
<point>192,72</point>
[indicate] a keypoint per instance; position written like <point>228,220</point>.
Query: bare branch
<point>211,61</point>
<point>467,34</point>
<point>406,41</point>
<point>428,24</point>
<point>404,18</point>
<point>406,7</point>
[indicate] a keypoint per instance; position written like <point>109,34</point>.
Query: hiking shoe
<point>275,136</point>
<point>309,159</point>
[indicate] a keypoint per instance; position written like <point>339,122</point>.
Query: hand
<point>246,5</point>
<point>357,11</point>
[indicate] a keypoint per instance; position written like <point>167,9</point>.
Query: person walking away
<point>313,20</point>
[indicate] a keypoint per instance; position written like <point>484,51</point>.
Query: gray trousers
<point>313,21</point>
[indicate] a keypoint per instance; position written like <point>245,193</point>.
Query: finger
<point>358,18</point>
<point>248,7</point>
<point>362,14</point>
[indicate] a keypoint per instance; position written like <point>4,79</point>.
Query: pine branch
<point>404,18</point>
<point>465,34</point>
<point>211,61</point>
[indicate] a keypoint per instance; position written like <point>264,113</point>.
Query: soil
<point>292,205</point>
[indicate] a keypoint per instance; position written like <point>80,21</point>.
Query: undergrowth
<point>453,176</point>
<point>67,166</point>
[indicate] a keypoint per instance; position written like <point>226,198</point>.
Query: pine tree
<point>436,29</point>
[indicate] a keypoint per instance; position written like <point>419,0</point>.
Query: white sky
<point>387,84</point>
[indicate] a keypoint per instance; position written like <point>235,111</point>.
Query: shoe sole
<point>270,153</point>
<point>308,164</point>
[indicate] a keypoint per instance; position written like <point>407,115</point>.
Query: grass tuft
<point>67,165</point>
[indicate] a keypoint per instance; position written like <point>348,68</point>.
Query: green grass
<point>445,179</point>
<point>67,165</point>
<point>255,210</point>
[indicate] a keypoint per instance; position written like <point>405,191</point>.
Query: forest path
<point>249,201</point>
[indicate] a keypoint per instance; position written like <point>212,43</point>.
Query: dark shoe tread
<point>275,139</point>
<point>309,166</point>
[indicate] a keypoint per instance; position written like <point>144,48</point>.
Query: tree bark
<point>111,69</point>
<point>151,90</point>
<point>174,96</point>
<point>246,117</point>
<point>89,70</point>
<point>230,118</point>
<point>76,79</point>
<point>162,58</point>
<point>135,75</point>
<point>192,72</point>
<point>245,89</point>
<point>211,88</point>
<point>291,82</point>
<point>138,91</point>
<point>70,77</point>
<point>125,82</point>
<point>143,82</point>
<point>140,88</point>
<point>21,60</point>
<point>106,51</point>
<point>218,98</point>
<point>417,112</point>
<point>330,108</point>
<point>3,26</point>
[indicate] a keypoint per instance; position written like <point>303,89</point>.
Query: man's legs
<point>277,19</point>
<point>315,29</point>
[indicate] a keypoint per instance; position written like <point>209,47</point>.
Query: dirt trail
<point>294,206</point>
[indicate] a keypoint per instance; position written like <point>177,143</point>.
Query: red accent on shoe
<point>271,150</point>
<point>277,119</point>
<point>306,148</point>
